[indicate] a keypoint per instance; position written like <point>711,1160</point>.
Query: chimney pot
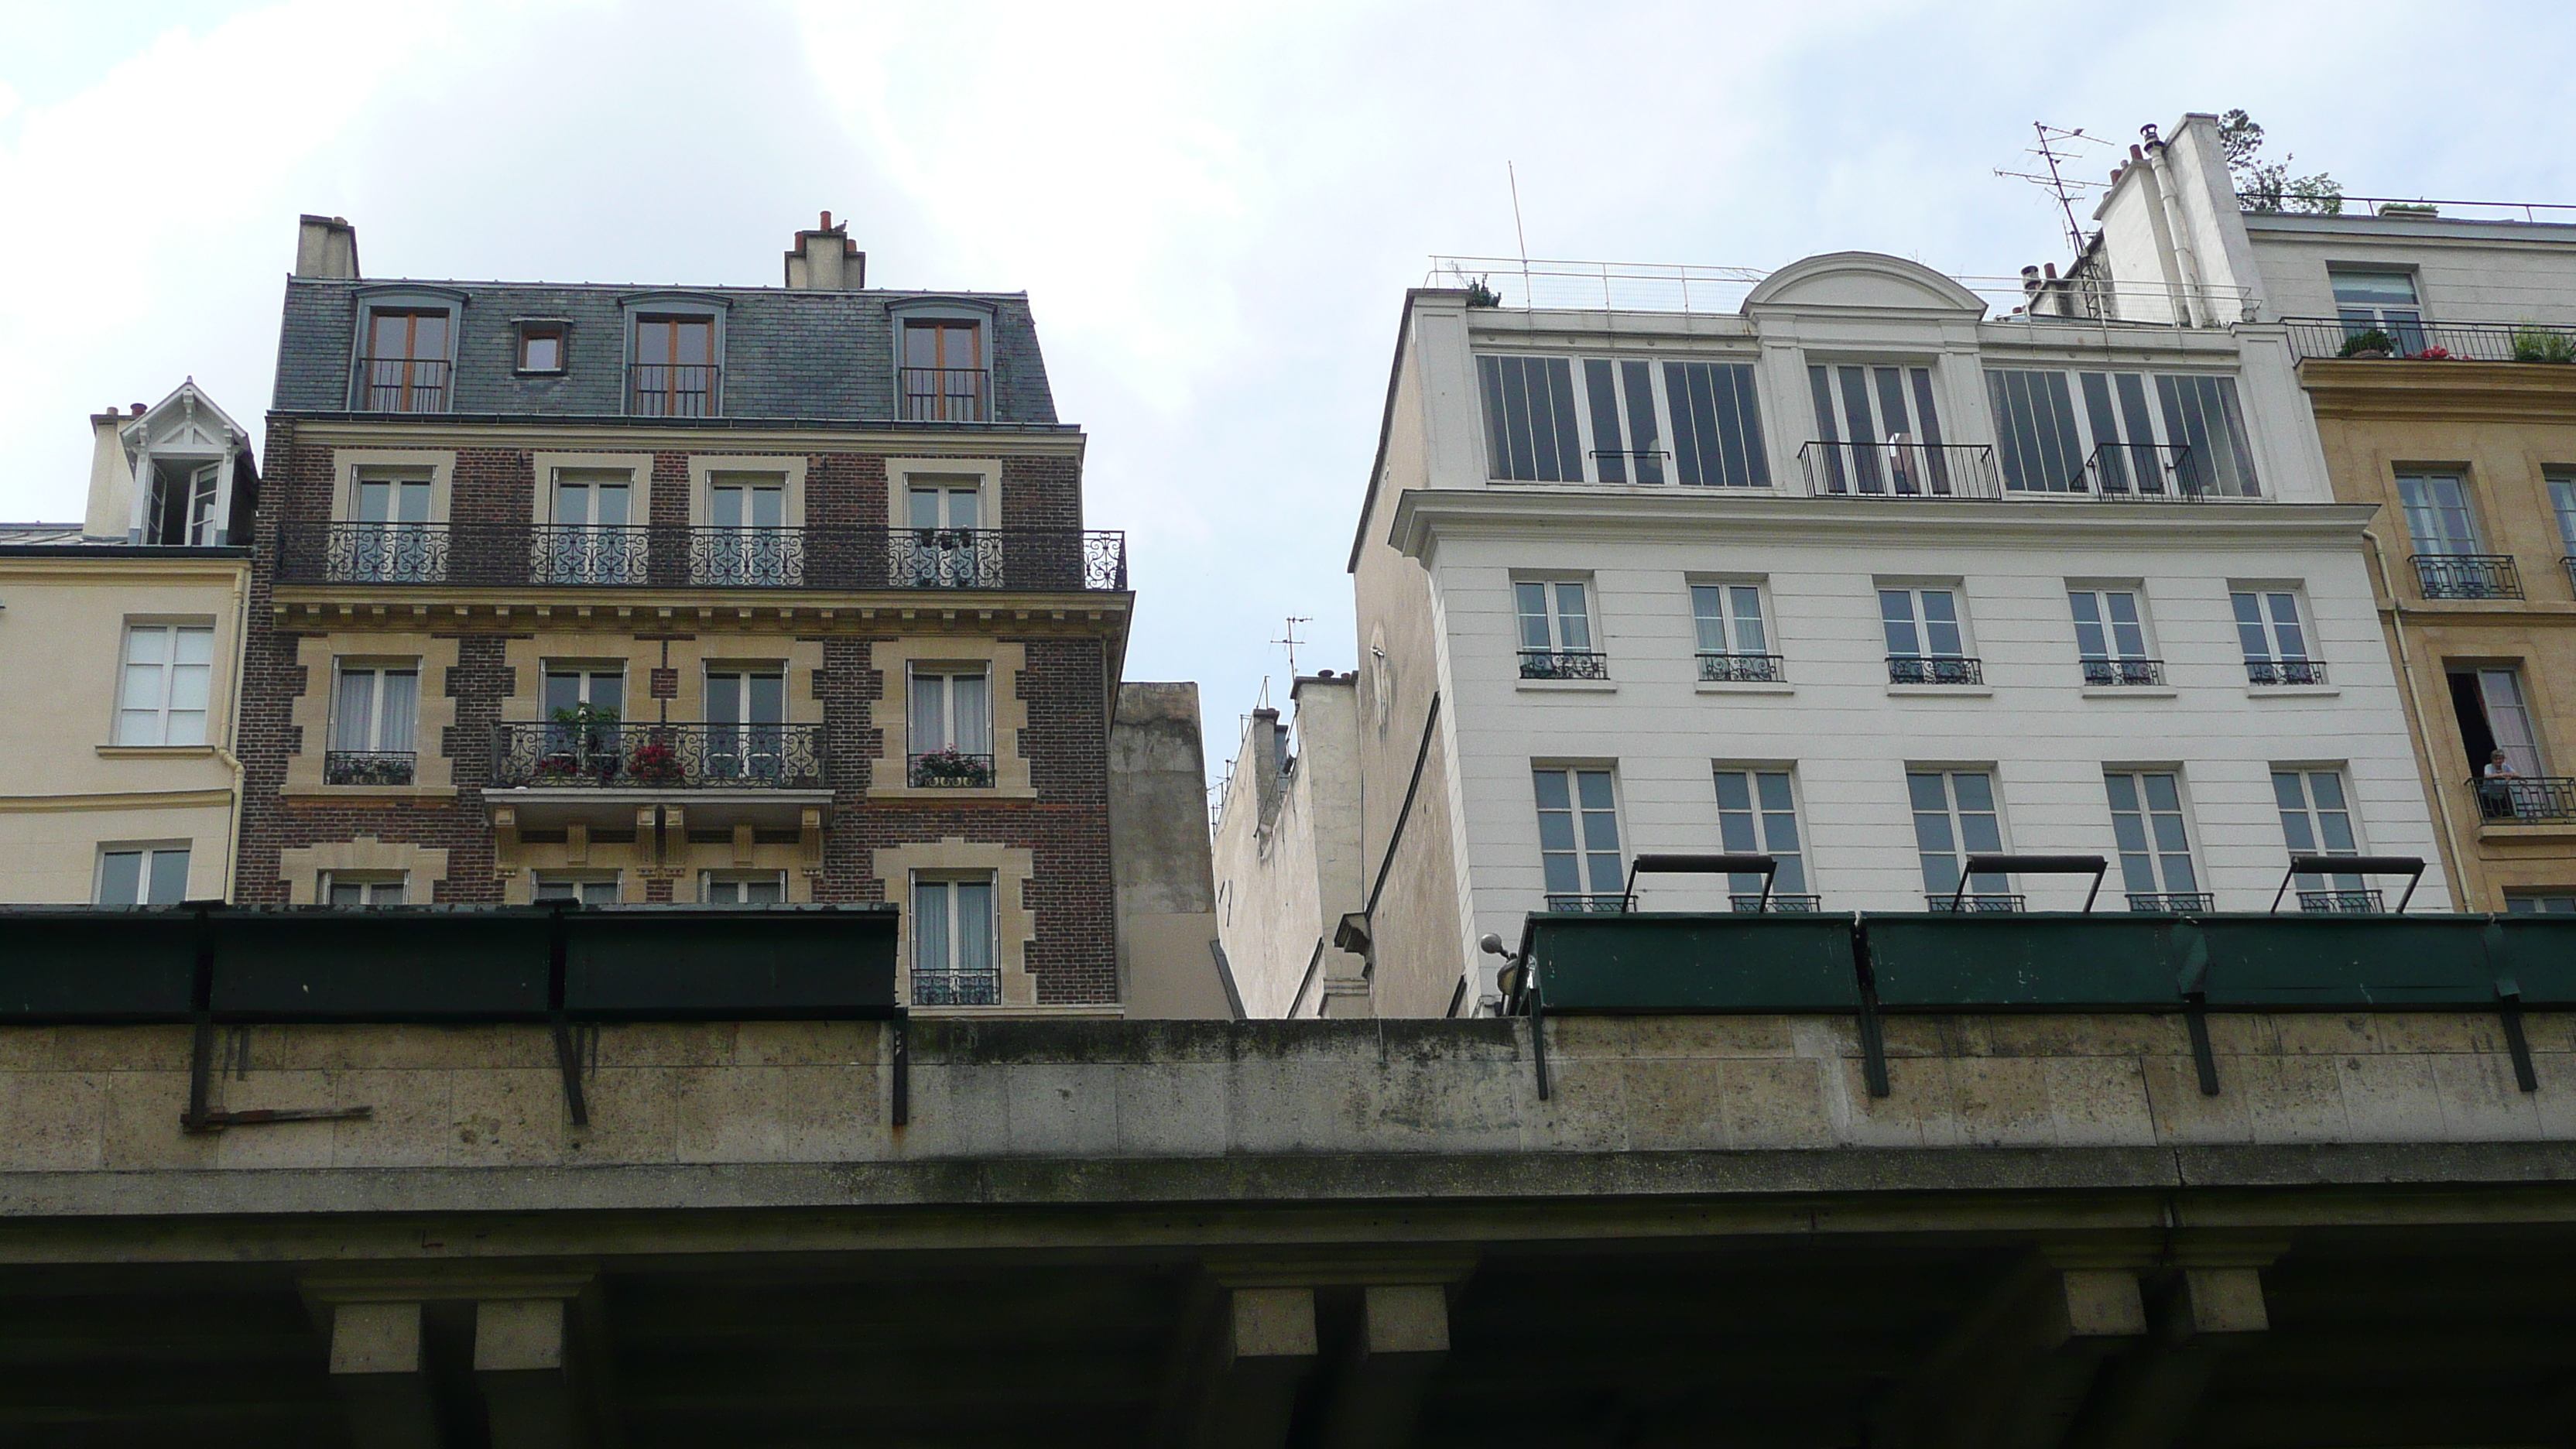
<point>826,260</point>
<point>137,409</point>
<point>326,246</point>
<point>2051,270</point>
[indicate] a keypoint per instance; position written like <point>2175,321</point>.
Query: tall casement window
<point>405,369</point>
<point>674,373</point>
<point>1926,643</point>
<point>2155,847</point>
<point>582,708</point>
<point>2494,718</point>
<point>747,540</point>
<point>2111,638</point>
<point>362,889</point>
<point>746,718</point>
<point>2316,819</point>
<point>1547,421</point>
<point>169,675</point>
<point>1757,814</point>
<point>1734,638</point>
<point>181,509</point>
<point>945,376</point>
<point>143,875</point>
<point>595,537</point>
<point>1578,838</point>
<point>742,888</point>
<point>388,536</point>
<point>1877,431</point>
<point>946,543</point>
<point>1626,443</point>
<point>589,890</point>
<point>1556,631</point>
<point>954,962</point>
<point>2444,527</point>
<point>2379,301</point>
<point>952,726</point>
<point>1717,425</point>
<point>1530,431</point>
<point>371,725</point>
<point>2274,642</point>
<point>2562,501</point>
<point>1954,818</point>
<point>2121,434</point>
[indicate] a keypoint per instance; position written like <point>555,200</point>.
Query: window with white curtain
<point>372,724</point>
<point>954,962</point>
<point>168,677</point>
<point>341,888</point>
<point>952,726</point>
<point>2274,641</point>
<point>2438,516</point>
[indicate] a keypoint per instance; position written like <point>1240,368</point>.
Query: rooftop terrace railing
<point>2427,341</point>
<point>521,555</point>
<point>1573,285</point>
<point>2413,208</point>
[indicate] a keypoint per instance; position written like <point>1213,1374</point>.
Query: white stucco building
<point>1862,578</point>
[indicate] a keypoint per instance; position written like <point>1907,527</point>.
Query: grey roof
<point>788,354</point>
<point>21,534</point>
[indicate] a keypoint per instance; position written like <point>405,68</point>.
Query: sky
<point>1215,209</point>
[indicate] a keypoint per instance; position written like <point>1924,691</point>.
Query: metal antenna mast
<point>2057,183</point>
<point>1292,641</point>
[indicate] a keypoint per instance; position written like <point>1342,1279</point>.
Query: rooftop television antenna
<point>2056,145</point>
<point>1292,641</point>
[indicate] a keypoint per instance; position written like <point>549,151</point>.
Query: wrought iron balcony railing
<point>2153,473</point>
<point>2448,341</point>
<point>1990,902</point>
<point>2285,671</point>
<point>2124,672</point>
<point>2172,903</point>
<point>2342,902</point>
<point>1564,664</point>
<point>2526,799</point>
<point>1739,668</point>
<point>673,390</point>
<point>1600,904</point>
<point>949,769</point>
<point>401,385</point>
<point>946,394</point>
<point>657,756</point>
<point>367,767</point>
<point>521,555</point>
<point>2468,576</point>
<point>1934,669</point>
<point>956,988</point>
<point>1776,905</point>
<point>1900,470</point>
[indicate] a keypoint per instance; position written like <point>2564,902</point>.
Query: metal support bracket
<point>901,1109</point>
<point>1873,1042</point>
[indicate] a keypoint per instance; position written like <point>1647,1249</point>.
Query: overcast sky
<point>1214,208</point>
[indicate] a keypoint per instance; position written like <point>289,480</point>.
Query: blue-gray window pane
<point>1637,381</point>
<point>1717,430</point>
<point>2201,413</point>
<point>1607,462</point>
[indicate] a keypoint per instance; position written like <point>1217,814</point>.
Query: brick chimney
<point>826,260</point>
<point>326,246</point>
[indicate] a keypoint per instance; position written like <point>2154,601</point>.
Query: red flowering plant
<point>2431,354</point>
<point>653,765</point>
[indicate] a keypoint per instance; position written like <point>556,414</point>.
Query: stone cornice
<point>1422,515</point>
<point>330,608</point>
<point>650,436</point>
<point>2392,389</point>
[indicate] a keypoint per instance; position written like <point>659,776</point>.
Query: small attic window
<point>541,346</point>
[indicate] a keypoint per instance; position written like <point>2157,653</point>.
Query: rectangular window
<point>405,369</point>
<point>1556,631</point>
<point>2035,431</point>
<point>581,709</point>
<point>947,545</point>
<point>169,674</point>
<point>743,888</point>
<point>594,537</point>
<point>1757,814</point>
<point>2503,746</point>
<point>1578,838</point>
<point>746,712</point>
<point>372,724</point>
<point>1617,389</point>
<point>541,347</point>
<point>588,890</point>
<point>1530,431</point>
<point>2379,301</point>
<point>2316,819</point>
<point>390,540</point>
<point>944,376</point>
<point>2205,429</point>
<point>1954,818</point>
<point>2543,902</point>
<point>2155,848</point>
<point>2273,640</point>
<point>2437,513</point>
<point>1734,640</point>
<point>2192,443</point>
<point>340,889</point>
<point>674,372</point>
<point>1926,643</point>
<point>143,875</point>
<point>181,509</point>
<point>747,541</point>
<point>2111,638</point>
<point>2562,501</point>
<point>1877,434</point>
<point>953,960</point>
<point>952,727</point>
<point>1717,425</point>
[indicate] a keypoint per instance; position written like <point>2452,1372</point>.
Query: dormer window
<point>405,367</point>
<point>945,378</point>
<point>541,347</point>
<point>674,373</point>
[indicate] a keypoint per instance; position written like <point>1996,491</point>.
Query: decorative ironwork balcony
<point>1739,668</point>
<point>956,988</point>
<point>2124,672</point>
<point>2526,799</point>
<point>2285,671</point>
<point>551,756</point>
<point>946,394</point>
<point>1976,903</point>
<point>2342,902</point>
<point>1936,669</point>
<point>1777,905</point>
<point>367,767</point>
<point>2468,576</point>
<point>949,769</point>
<point>521,555</point>
<point>2449,341</point>
<point>2152,473</point>
<point>401,385</point>
<point>1598,904</point>
<point>1900,470</point>
<point>1564,664</point>
<point>672,390</point>
<point>2172,903</point>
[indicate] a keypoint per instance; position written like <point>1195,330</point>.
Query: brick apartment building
<point>716,595</point>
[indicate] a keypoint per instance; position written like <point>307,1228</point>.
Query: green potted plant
<point>2535,343</point>
<point>2373,343</point>
<point>588,733</point>
<point>1480,295</point>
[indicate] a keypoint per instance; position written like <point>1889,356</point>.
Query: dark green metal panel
<point>2046,962</point>
<point>2348,961</point>
<point>388,964</point>
<point>96,966</point>
<point>1694,963</point>
<point>731,965</point>
<point>2540,958</point>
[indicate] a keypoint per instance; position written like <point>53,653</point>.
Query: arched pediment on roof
<point>1861,280</point>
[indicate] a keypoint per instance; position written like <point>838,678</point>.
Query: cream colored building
<point>122,635</point>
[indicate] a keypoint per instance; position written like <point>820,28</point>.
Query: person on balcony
<point>2495,790</point>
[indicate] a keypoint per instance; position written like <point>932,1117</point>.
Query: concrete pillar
<point>1404,1336</point>
<point>378,1369</point>
<point>1242,1386</point>
<point>523,1369</point>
